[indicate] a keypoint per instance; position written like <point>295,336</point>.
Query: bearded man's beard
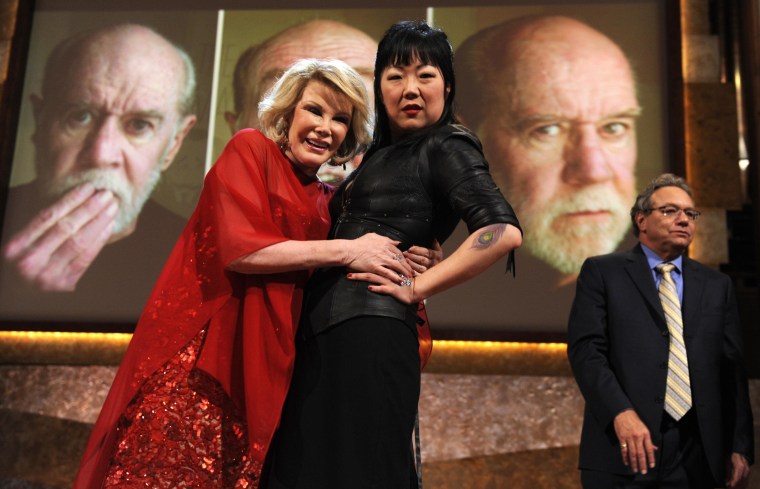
<point>131,200</point>
<point>563,242</point>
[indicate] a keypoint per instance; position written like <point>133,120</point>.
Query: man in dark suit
<point>656,352</point>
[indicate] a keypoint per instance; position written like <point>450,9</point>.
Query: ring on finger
<point>405,281</point>
<point>624,446</point>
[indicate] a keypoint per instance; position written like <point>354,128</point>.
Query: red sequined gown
<point>200,390</point>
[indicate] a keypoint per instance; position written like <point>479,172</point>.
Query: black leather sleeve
<point>460,175</point>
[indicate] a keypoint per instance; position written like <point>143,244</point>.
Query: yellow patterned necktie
<point>678,389</point>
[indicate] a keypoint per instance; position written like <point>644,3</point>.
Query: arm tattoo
<point>488,236</point>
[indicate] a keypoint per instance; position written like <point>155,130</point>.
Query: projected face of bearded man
<point>562,144</point>
<point>114,121</point>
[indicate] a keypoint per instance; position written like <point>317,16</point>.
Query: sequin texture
<point>182,431</point>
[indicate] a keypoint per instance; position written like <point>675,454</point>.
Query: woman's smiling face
<point>318,126</point>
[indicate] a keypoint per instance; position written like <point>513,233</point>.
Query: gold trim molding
<point>461,357</point>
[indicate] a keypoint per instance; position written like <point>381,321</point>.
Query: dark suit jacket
<point>618,350</point>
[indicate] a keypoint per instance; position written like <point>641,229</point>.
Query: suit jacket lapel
<point>637,268</point>
<point>693,287</point>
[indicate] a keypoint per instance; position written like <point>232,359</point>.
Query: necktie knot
<point>664,268</point>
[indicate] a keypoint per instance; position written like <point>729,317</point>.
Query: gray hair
<point>187,95</point>
<point>643,201</point>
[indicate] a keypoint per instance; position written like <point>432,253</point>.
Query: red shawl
<point>251,199</point>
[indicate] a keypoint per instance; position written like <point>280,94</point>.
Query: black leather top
<point>413,191</point>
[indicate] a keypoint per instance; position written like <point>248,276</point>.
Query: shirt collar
<point>653,259</point>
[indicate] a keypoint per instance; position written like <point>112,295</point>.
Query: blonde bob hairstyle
<point>277,106</point>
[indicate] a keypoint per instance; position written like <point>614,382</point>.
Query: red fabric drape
<point>251,199</point>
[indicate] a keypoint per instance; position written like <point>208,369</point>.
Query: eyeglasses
<point>673,211</point>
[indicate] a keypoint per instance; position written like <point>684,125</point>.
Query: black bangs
<point>409,50</point>
<point>408,41</point>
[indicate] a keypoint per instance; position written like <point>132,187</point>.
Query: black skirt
<point>349,416</point>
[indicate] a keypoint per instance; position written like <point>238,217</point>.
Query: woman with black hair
<point>350,413</point>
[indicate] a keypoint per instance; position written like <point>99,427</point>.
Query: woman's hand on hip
<point>422,259</point>
<point>378,255</point>
<point>400,287</point>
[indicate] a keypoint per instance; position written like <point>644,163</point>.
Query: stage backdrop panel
<point>113,290</point>
<point>534,305</point>
<point>538,299</point>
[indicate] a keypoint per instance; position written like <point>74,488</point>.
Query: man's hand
<point>636,446</point>
<point>738,472</point>
<point>54,250</point>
